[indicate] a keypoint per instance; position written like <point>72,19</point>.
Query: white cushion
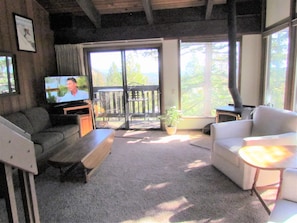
<point>289,185</point>
<point>228,149</point>
<point>284,212</point>
<point>280,139</point>
<point>272,121</point>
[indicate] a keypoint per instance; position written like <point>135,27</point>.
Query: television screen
<point>61,89</point>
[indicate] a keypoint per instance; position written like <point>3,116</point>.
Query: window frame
<point>10,73</point>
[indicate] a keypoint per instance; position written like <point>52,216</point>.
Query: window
<point>8,84</point>
<point>204,77</point>
<point>276,68</point>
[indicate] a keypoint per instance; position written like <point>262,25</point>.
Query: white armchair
<point>285,209</point>
<point>269,126</point>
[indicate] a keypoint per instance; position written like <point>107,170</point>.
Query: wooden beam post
<point>88,7</point>
<point>147,6</point>
<point>209,6</point>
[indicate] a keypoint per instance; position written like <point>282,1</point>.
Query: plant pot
<point>171,130</point>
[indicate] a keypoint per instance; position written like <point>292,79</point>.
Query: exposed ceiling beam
<point>89,9</point>
<point>204,28</point>
<point>147,6</point>
<point>209,6</point>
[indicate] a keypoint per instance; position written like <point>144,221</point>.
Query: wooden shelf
<point>85,119</point>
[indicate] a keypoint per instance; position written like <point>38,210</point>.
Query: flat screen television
<point>66,89</point>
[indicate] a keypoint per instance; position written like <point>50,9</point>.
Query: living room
<point>33,67</point>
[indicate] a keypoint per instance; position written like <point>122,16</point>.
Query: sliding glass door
<point>126,88</point>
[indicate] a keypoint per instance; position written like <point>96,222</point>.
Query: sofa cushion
<point>272,121</point>
<point>284,211</point>
<point>66,130</point>
<point>47,139</point>
<point>21,121</point>
<point>38,150</point>
<point>38,117</point>
<point>228,149</point>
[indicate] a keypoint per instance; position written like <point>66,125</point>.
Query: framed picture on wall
<point>24,33</point>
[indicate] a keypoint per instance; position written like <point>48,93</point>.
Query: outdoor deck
<point>139,107</point>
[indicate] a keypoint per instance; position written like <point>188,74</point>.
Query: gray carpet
<point>203,141</point>
<point>152,178</point>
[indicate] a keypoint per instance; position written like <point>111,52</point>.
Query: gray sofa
<point>48,132</point>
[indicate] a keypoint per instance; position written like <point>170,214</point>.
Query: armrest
<point>60,119</point>
<point>288,189</point>
<point>280,139</point>
<point>232,129</point>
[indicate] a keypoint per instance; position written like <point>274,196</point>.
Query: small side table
<point>269,158</point>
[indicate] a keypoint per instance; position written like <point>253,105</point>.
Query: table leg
<point>280,184</point>
<point>63,175</point>
<point>255,181</point>
<point>254,189</point>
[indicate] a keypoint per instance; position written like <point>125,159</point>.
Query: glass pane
<point>106,69</point>
<point>142,67</point>
<point>4,87</point>
<point>11,74</point>
<point>7,74</point>
<point>204,77</point>
<point>107,81</point>
<point>277,55</point>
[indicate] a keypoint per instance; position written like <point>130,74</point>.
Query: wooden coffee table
<point>269,158</point>
<point>89,152</point>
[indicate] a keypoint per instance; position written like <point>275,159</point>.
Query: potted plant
<point>171,117</point>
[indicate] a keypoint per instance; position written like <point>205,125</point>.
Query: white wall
<point>170,73</point>
<point>251,69</point>
<point>277,10</point>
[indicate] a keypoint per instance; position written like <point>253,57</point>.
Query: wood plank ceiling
<point>75,21</point>
<point>95,8</point>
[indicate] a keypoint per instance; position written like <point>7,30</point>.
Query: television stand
<point>85,117</point>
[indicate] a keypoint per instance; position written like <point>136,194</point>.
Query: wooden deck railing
<point>137,101</point>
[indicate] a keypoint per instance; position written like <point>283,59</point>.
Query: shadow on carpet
<point>203,141</point>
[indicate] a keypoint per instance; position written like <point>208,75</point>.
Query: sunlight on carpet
<point>196,138</point>
<point>164,211</point>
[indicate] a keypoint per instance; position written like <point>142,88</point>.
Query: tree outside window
<point>204,77</point>
<point>276,68</point>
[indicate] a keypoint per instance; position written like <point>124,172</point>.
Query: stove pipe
<point>232,53</point>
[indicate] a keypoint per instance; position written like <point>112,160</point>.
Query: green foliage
<point>204,77</point>
<point>171,117</point>
<point>51,98</point>
<point>277,68</point>
<point>62,90</point>
<point>134,74</point>
<point>114,76</point>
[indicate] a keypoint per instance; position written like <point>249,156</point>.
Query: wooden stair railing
<point>17,152</point>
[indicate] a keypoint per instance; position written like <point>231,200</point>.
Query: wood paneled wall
<point>31,67</point>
